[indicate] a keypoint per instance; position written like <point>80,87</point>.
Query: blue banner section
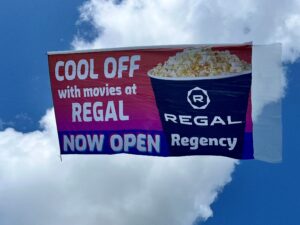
<point>152,143</point>
<point>205,116</point>
<point>248,148</point>
<point>139,142</point>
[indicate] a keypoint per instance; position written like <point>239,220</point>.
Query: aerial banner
<point>157,101</point>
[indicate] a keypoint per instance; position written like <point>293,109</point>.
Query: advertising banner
<point>158,101</point>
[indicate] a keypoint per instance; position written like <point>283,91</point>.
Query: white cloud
<point>141,22</point>
<point>36,188</point>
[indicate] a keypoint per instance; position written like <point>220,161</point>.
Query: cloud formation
<point>36,188</point>
<point>141,22</point>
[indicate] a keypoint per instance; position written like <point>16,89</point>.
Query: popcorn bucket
<point>203,115</point>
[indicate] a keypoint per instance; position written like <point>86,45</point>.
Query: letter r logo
<point>198,98</point>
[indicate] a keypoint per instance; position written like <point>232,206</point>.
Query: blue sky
<point>259,193</point>
<point>29,30</point>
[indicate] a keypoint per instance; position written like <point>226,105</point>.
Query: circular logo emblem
<point>198,98</point>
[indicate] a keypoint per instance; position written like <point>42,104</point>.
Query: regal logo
<point>198,98</point>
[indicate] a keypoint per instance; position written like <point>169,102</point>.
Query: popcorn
<point>199,62</point>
